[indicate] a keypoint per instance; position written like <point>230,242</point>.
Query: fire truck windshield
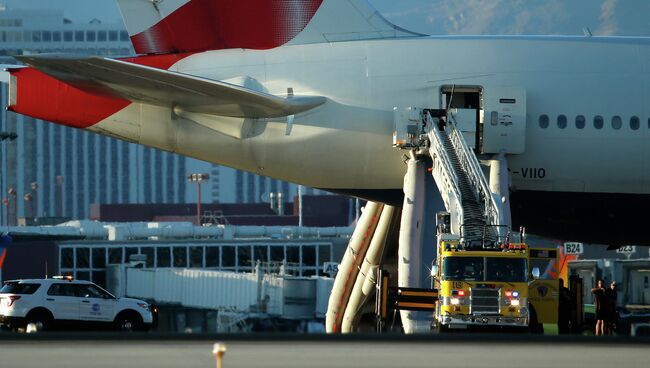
<point>484,269</point>
<point>463,268</point>
<point>506,269</point>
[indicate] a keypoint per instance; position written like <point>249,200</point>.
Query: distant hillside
<point>603,17</point>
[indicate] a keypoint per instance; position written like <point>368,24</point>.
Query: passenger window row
<point>598,122</point>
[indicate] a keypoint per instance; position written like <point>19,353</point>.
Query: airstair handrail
<point>444,176</point>
<point>472,168</point>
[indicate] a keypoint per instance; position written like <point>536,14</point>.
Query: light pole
<point>59,181</point>
<point>300,206</point>
<point>34,199</point>
<point>198,178</point>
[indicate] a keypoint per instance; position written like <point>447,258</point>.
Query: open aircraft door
<point>504,124</point>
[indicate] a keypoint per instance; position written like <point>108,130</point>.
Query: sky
<point>602,17</point>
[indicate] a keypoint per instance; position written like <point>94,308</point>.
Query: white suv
<point>63,302</point>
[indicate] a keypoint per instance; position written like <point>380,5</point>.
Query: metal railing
<point>444,176</point>
<point>472,169</point>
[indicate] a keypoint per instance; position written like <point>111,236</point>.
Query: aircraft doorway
<point>468,102</point>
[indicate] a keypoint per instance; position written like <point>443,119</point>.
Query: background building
<point>72,168</point>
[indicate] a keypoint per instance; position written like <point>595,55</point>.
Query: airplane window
<point>599,122</point>
<point>635,123</point>
<point>580,121</point>
<point>561,121</point>
<point>617,122</point>
<point>543,121</point>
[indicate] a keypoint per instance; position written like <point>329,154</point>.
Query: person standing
<point>611,296</point>
<point>600,303</point>
<point>565,307</point>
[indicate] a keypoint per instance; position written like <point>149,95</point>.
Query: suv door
<point>62,300</point>
<point>95,304</point>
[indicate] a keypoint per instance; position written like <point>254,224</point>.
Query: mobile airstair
<point>476,212</point>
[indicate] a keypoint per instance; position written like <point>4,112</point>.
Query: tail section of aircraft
<point>171,26</point>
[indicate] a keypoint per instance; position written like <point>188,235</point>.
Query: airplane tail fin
<point>171,26</point>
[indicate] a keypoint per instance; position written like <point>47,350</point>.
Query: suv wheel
<point>128,322</point>
<point>37,321</point>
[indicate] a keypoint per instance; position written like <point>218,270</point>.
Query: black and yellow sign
<point>415,299</point>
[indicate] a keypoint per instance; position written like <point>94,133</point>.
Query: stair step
<point>473,208</point>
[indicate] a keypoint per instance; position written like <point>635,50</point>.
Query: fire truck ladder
<point>475,214</point>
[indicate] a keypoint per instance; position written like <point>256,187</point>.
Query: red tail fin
<point>170,26</point>
<point>199,25</point>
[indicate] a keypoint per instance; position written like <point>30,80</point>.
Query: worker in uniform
<point>565,305</point>
<point>611,295</point>
<point>600,303</point>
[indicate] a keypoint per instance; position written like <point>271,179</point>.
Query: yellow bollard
<point>219,350</point>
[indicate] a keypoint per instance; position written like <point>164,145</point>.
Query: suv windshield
<point>92,291</point>
<point>17,288</point>
<point>484,269</point>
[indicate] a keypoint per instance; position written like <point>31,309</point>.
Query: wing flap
<point>139,83</point>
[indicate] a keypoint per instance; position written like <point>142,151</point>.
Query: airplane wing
<point>145,84</point>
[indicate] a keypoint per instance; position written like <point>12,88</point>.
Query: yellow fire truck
<point>493,284</point>
<point>488,284</point>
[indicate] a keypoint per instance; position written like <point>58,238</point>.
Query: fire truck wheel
<point>437,327</point>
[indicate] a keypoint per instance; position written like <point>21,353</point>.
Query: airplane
<point>304,91</point>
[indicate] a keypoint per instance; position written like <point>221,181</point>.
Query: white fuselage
<point>346,143</point>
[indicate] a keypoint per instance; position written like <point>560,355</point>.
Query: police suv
<point>64,302</point>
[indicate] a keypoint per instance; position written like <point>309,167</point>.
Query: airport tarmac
<point>330,353</point>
